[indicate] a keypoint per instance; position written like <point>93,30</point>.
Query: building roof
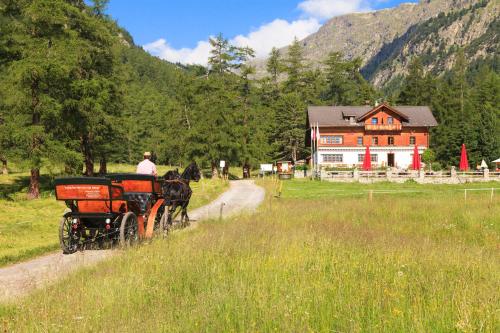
<point>325,116</point>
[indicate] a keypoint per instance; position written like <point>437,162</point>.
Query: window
<point>390,141</point>
<point>390,120</point>
<point>373,157</point>
<point>374,141</point>
<point>335,158</point>
<point>374,121</point>
<point>360,140</point>
<point>412,140</point>
<point>331,139</point>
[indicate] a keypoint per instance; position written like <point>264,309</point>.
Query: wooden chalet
<point>391,132</point>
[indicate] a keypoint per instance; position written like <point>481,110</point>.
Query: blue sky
<point>178,30</point>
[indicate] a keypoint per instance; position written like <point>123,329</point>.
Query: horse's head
<point>192,172</point>
<point>172,174</point>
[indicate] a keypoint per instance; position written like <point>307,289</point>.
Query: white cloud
<point>277,33</point>
<point>196,55</point>
<point>323,9</point>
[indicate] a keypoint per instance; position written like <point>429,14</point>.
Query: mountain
<point>386,40</point>
<point>436,41</point>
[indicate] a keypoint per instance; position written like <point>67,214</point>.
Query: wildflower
<point>396,312</point>
<point>400,273</point>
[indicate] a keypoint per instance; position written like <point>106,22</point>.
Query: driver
<point>146,167</point>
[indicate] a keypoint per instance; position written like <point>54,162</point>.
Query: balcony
<point>383,127</point>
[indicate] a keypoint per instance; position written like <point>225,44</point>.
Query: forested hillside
<point>76,91</point>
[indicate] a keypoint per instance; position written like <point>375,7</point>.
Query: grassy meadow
<point>312,260</point>
<point>29,228</point>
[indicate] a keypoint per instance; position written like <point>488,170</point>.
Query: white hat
<point>147,153</point>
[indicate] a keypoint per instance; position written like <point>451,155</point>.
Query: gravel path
<point>20,279</point>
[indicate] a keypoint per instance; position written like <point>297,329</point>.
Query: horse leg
<point>171,211</point>
<point>185,205</point>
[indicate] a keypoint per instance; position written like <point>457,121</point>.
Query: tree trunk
<point>215,172</point>
<point>87,157</point>
<point>5,171</point>
<point>103,167</point>
<point>34,190</point>
<point>294,152</point>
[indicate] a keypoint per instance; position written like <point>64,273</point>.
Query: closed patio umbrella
<point>416,159</point>
<point>464,163</point>
<point>367,161</point>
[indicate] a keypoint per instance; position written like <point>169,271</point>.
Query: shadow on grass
<point>20,184</point>
<point>26,254</point>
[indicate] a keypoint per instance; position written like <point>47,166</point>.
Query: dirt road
<point>20,279</point>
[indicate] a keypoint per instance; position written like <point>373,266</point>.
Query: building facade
<point>390,132</point>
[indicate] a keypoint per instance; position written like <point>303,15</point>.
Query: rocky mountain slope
<point>436,41</point>
<point>386,40</point>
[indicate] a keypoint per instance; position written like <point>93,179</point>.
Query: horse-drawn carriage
<point>118,208</point>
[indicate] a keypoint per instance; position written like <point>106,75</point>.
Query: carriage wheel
<point>129,230</point>
<point>68,239</point>
<point>165,226</point>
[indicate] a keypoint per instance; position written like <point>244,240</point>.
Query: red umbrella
<point>416,159</point>
<point>367,161</point>
<point>464,164</point>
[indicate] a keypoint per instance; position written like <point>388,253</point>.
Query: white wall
<point>402,155</point>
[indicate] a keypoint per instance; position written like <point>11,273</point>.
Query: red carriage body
<point>117,208</point>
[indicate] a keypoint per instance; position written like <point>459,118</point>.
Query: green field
<point>312,260</point>
<point>30,227</point>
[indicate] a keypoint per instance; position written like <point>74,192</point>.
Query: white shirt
<point>146,167</point>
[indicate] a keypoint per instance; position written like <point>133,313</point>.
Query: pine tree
<point>294,67</point>
<point>100,7</point>
<point>344,83</point>
<point>274,65</point>
<point>486,98</point>
<point>62,85</point>
<point>413,90</point>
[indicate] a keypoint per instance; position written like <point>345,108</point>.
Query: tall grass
<point>29,228</point>
<point>399,263</point>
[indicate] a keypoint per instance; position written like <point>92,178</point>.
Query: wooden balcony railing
<point>383,127</point>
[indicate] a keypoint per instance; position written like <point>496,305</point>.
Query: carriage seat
<point>144,200</point>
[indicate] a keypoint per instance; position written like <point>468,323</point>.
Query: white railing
<point>438,174</point>
<point>470,174</point>
<point>339,174</point>
<point>373,174</point>
<point>420,176</point>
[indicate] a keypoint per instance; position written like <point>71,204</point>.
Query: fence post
<point>355,174</point>
<point>486,173</point>
<point>221,208</point>
<point>491,196</point>
<point>465,195</point>
<point>453,172</point>
<point>370,195</point>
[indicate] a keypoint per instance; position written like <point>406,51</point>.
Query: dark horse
<point>177,192</point>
